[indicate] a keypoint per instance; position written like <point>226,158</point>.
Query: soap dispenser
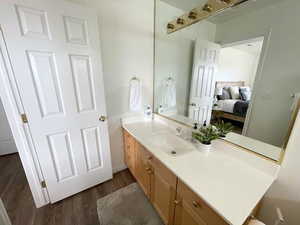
<point>148,112</point>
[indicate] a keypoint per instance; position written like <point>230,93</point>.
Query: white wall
<point>126,33</point>
<point>7,143</point>
<point>285,192</point>
<point>236,65</point>
<point>281,69</point>
<point>174,53</point>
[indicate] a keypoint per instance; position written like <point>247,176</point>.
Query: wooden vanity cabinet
<point>173,200</point>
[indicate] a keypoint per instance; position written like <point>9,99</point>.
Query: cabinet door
<point>143,168</point>
<point>129,151</point>
<point>163,191</point>
<point>191,209</point>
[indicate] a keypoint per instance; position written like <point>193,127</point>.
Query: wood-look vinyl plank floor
<point>80,209</point>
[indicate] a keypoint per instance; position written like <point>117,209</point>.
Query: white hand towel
<point>295,101</point>
<point>135,99</point>
<point>168,96</point>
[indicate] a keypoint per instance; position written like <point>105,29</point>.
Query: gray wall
<point>281,69</point>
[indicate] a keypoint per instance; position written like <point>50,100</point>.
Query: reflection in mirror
<point>239,65</point>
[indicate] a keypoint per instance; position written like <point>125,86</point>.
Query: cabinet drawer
<point>198,206</point>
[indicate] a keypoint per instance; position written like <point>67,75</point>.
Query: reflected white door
<point>203,81</point>
<point>55,54</point>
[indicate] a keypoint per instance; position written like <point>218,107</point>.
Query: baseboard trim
<point>119,168</point>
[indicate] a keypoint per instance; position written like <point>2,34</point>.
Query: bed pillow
<point>235,92</point>
<point>225,94</point>
<point>245,93</point>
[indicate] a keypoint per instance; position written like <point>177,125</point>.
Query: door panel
<point>55,53</point>
<point>44,74</point>
<point>163,191</point>
<point>62,155</point>
<point>131,146</point>
<point>92,145</point>
<point>33,22</point>
<point>76,30</point>
<point>85,92</point>
<point>203,81</point>
<point>143,169</point>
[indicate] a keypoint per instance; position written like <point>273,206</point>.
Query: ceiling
<point>251,5</point>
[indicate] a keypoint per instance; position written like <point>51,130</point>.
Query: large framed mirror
<point>238,65</point>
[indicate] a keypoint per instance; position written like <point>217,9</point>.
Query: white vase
<point>203,147</point>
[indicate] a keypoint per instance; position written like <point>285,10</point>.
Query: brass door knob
<point>102,118</point>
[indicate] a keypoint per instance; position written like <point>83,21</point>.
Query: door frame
<point>13,107</point>
<point>258,76</point>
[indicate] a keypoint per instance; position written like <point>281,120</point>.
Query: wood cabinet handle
<point>196,204</point>
<point>148,168</point>
<point>150,158</point>
<point>176,202</point>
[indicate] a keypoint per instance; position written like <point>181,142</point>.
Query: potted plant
<point>205,136</point>
<point>223,128</point>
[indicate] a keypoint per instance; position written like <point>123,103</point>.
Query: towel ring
<point>134,78</point>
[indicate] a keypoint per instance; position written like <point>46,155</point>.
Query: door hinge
<point>43,184</point>
<point>24,118</point>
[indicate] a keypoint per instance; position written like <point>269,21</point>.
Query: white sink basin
<point>171,144</point>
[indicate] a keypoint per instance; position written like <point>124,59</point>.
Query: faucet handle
<point>178,129</point>
<point>195,126</point>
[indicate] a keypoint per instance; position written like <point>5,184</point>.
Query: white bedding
<point>227,105</point>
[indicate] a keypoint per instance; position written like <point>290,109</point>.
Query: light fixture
<point>225,1</point>
<point>192,15</point>
<point>207,8</point>
<point>180,21</point>
<point>170,26</point>
<point>202,12</point>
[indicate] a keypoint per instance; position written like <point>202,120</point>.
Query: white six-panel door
<point>203,81</point>
<point>55,54</point>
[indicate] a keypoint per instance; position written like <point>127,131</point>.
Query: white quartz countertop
<point>230,181</point>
